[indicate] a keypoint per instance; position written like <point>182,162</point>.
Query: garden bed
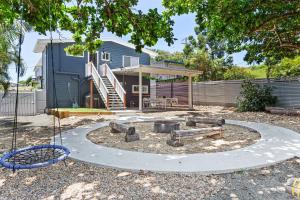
<point>68,112</point>
<point>235,137</point>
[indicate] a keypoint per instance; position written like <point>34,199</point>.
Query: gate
<point>26,106</point>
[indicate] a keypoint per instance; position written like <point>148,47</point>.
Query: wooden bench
<point>176,135</point>
<point>283,111</point>
<point>130,136</point>
<point>192,121</point>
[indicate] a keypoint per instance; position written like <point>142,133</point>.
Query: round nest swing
<point>34,157</point>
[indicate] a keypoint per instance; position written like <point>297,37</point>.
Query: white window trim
<point>123,60</point>
<point>105,52</point>
<point>145,89</point>
<point>82,56</point>
<point>88,57</point>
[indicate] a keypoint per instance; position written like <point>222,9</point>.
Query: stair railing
<point>115,82</point>
<point>101,87</point>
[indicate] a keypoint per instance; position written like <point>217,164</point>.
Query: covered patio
<point>142,70</point>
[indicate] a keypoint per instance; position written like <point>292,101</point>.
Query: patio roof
<point>150,69</point>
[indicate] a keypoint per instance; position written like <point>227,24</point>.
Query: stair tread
<point>115,102</point>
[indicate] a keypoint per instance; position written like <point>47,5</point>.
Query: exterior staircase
<point>114,101</point>
<point>108,86</point>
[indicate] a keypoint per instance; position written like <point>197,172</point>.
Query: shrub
<point>237,73</point>
<point>255,98</point>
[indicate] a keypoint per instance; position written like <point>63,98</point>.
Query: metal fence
<point>177,90</point>
<point>226,92</point>
<point>30,103</point>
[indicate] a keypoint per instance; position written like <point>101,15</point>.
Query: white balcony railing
<point>91,70</point>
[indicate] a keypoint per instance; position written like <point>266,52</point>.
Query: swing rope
<point>41,155</point>
<point>15,123</point>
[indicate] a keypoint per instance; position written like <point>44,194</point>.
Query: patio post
<point>91,93</point>
<point>190,91</point>
<point>140,90</point>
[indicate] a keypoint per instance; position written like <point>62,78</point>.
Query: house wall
<point>116,54</point>
<point>132,100</point>
<point>69,73</point>
<point>71,83</point>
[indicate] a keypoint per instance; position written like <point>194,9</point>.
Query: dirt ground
<point>79,180</point>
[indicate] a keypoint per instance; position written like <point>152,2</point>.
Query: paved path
<point>276,144</point>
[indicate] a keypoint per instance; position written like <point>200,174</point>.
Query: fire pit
<point>166,126</point>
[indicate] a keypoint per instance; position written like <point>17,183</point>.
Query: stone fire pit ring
<point>165,126</point>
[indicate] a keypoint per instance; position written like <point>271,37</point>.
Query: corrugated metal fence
<point>226,92</point>
<point>176,89</point>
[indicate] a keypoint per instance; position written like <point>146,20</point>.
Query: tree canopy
<point>166,55</point>
<point>287,68</point>
<point>262,28</point>
<point>9,51</point>
<point>87,19</point>
<point>207,56</point>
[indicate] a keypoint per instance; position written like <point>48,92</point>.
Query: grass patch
<point>258,71</point>
<point>82,110</point>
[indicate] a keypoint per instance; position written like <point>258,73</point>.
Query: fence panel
<point>226,92</point>
<point>176,89</point>
<point>26,104</point>
<point>287,92</point>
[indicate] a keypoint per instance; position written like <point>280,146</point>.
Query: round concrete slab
<point>276,144</point>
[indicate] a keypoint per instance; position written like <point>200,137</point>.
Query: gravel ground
<point>235,137</point>
<point>84,181</point>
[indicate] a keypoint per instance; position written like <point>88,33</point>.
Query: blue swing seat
<point>34,157</point>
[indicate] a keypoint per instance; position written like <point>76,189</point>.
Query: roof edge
<point>42,43</point>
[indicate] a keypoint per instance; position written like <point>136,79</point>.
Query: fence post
<point>34,102</point>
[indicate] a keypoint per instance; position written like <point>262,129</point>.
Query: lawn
<point>258,71</point>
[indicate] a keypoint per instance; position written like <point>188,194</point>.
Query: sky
<point>184,27</point>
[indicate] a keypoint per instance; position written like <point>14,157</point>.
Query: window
<point>79,56</point>
<point>129,61</point>
<point>135,89</point>
<point>105,56</point>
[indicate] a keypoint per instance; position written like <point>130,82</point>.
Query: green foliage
<point>87,19</point>
<point>206,56</point>
<point>287,68</point>
<point>29,82</point>
<point>264,29</point>
<point>9,51</point>
<point>236,73</point>
<point>166,55</point>
<point>258,71</point>
<point>255,98</point>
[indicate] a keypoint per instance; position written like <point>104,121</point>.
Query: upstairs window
<point>79,56</point>
<point>105,56</point>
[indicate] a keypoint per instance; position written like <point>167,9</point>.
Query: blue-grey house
<point>110,78</point>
